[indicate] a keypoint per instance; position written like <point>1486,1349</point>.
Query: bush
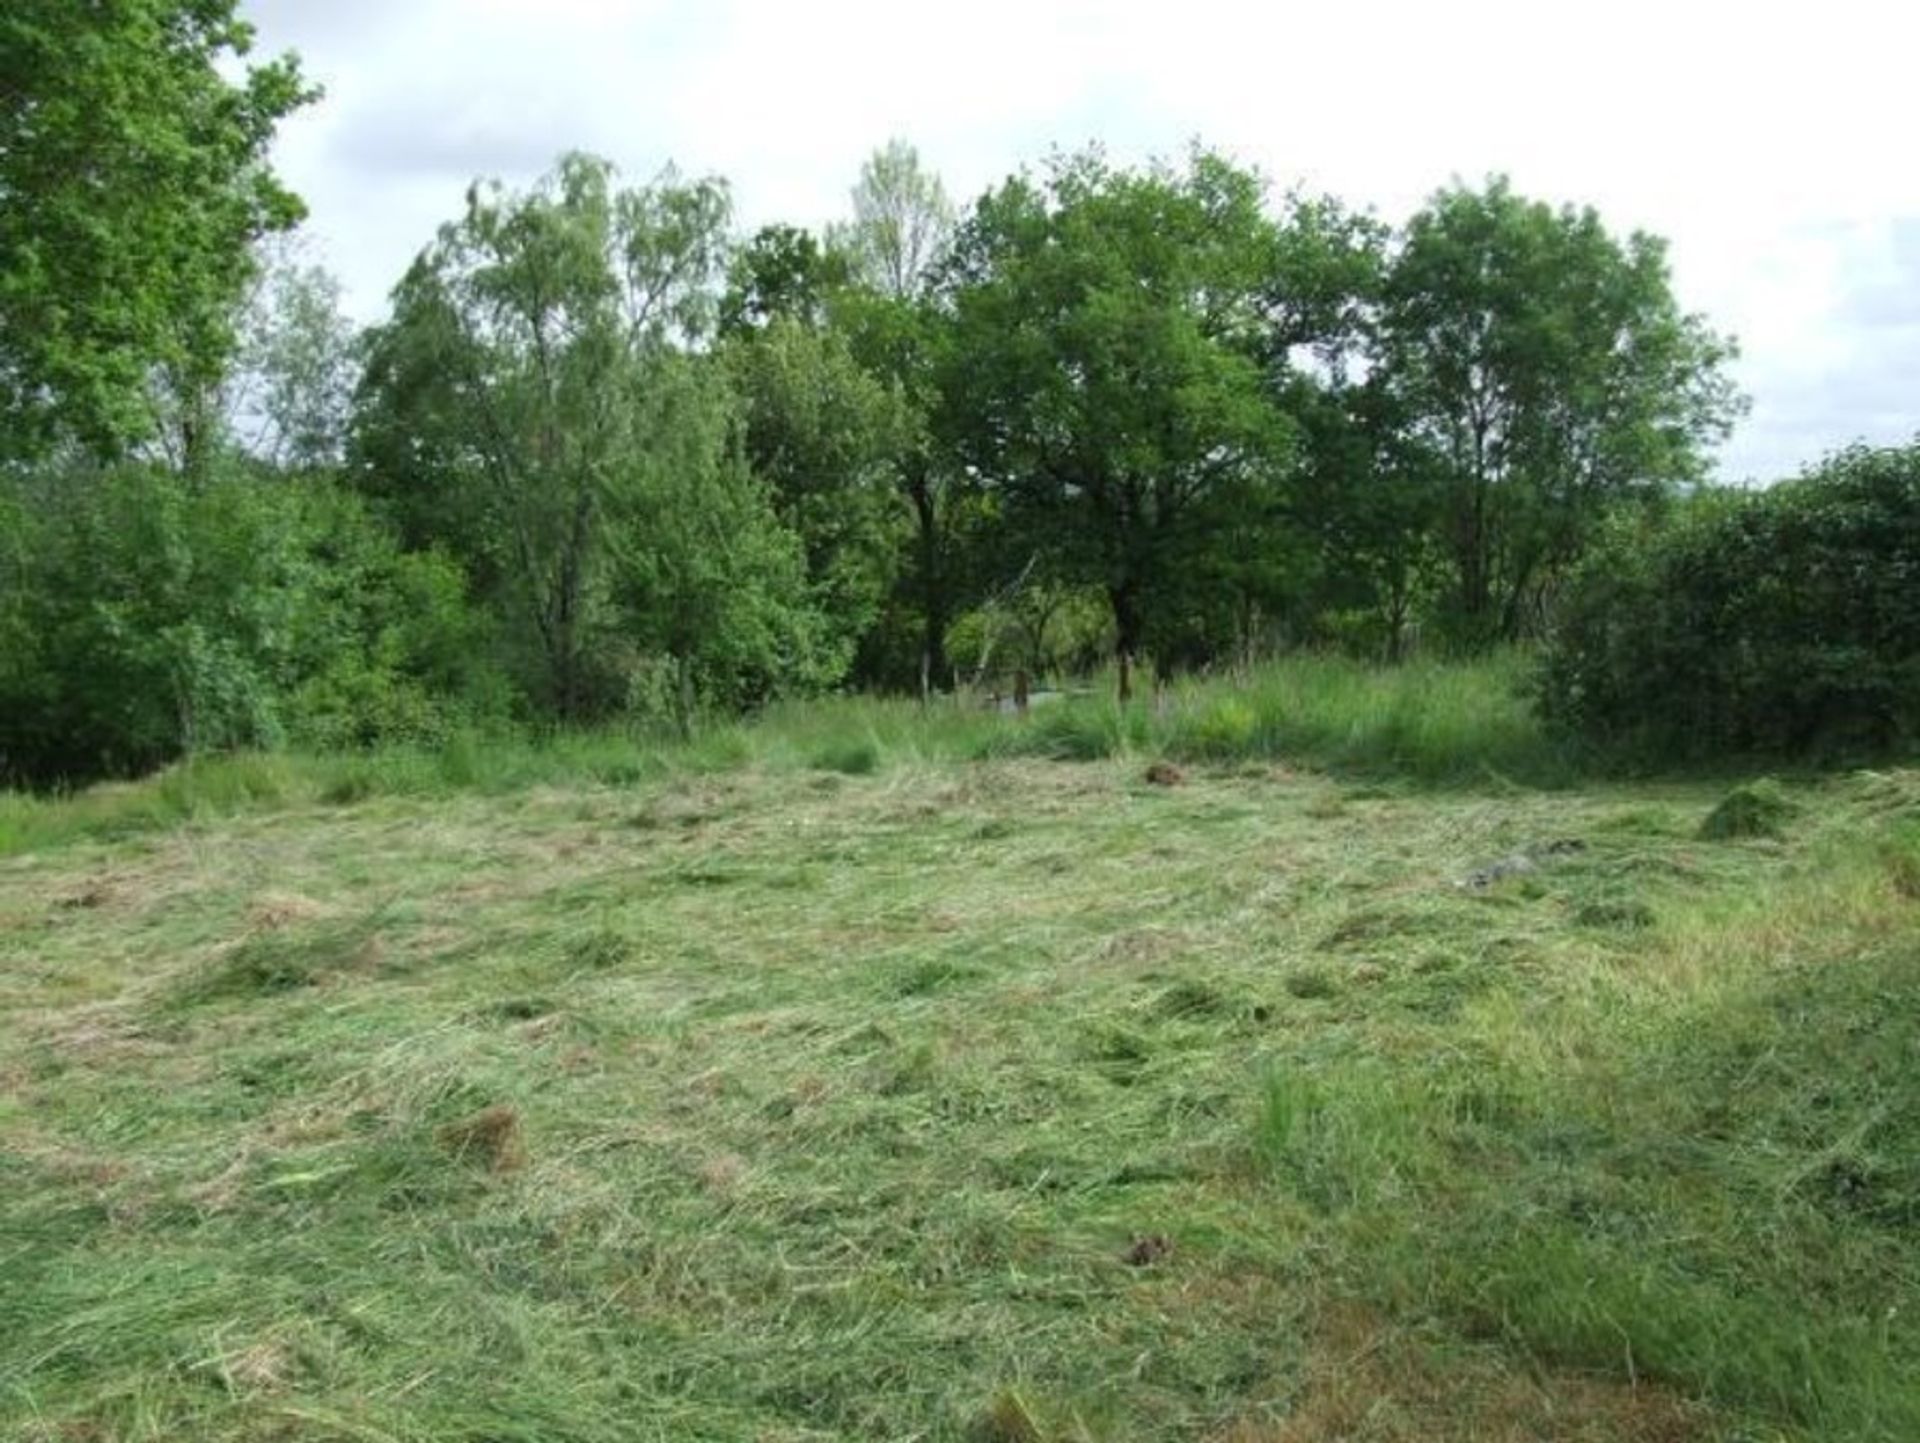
<point>146,616</point>
<point>1781,622</point>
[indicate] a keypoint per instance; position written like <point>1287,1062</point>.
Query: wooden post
<point>1020,691</point>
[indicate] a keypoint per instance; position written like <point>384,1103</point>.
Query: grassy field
<point>860,1076</point>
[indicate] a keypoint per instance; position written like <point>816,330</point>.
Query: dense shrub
<point>1785,621</point>
<point>145,615</point>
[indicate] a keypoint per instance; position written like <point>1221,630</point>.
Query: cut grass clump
<point>1120,1053</point>
<point>599,950</point>
<point>1191,999</point>
<point>1007,1418</point>
<point>1758,809</point>
<point>282,960</point>
<point>932,974</point>
<point>1311,983</point>
<point>491,1138</point>
<point>1615,914</point>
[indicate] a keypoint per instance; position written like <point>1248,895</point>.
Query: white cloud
<point>1766,141</point>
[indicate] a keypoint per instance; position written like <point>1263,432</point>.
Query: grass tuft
<point>491,1138</point>
<point>1757,809</point>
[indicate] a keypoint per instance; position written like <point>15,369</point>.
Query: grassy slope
<point>781,1104</point>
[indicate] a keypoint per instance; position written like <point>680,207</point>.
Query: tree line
<point>604,456</point>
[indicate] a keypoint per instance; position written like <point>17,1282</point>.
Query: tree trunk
<point>1126,633</point>
<point>683,700</point>
<point>933,649</point>
<point>933,599</point>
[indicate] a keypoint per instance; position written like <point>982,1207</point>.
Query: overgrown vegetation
<point>1785,622</point>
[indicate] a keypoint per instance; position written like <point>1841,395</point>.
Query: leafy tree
<point>527,333</point>
<point>901,222</point>
<point>897,240</point>
<point>843,346</point>
<point>782,273</point>
<point>1262,584</point>
<point>133,181</point>
<point>1367,496</point>
<point>523,402</point>
<point>824,435</point>
<point>1549,373</point>
<point>707,577</point>
<point>1321,290</point>
<point>152,615</point>
<point>1109,325</point>
<point>906,344</point>
<point>292,398</point>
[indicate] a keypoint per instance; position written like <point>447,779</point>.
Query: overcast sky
<point>1771,143</point>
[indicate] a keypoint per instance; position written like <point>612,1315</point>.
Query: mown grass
<point>835,1081</point>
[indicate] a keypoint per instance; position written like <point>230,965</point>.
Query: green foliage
<point>1544,373</point>
<point>781,273</point>
<point>534,407</point>
<point>1106,330</point>
<point>1047,629</point>
<point>1087,730</point>
<point>1783,622</point>
<point>704,574</point>
<point>822,433</point>
<point>851,756</point>
<point>1222,727</point>
<point>1427,723</point>
<point>296,369</point>
<point>902,221</point>
<point>133,181</point>
<point>150,616</point>
<point>907,344</point>
<point>1369,501</point>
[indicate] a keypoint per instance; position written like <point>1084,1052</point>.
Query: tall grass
<point>1428,723</point>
